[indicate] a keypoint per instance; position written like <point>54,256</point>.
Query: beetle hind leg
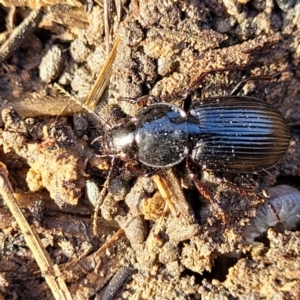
<point>206,193</point>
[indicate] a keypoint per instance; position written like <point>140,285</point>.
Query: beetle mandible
<point>228,133</point>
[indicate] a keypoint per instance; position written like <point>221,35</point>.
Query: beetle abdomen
<point>238,134</point>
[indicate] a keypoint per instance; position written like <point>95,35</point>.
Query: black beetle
<point>228,133</point>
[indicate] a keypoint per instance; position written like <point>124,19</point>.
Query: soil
<point>154,236</point>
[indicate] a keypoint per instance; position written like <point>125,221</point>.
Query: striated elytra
<point>238,134</point>
<point>228,133</point>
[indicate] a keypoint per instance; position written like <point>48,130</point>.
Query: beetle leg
<point>242,83</point>
<point>138,171</point>
<point>150,171</point>
<point>142,101</point>
<point>205,192</point>
<point>195,85</point>
<point>186,103</point>
<point>241,189</point>
<point>102,195</point>
<point>250,191</point>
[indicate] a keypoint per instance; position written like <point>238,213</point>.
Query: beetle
<point>229,133</point>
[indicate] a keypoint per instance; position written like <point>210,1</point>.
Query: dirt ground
<point>135,236</point>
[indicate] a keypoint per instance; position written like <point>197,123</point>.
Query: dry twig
<point>48,269</point>
<point>103,78</point>
<point>20,33</point>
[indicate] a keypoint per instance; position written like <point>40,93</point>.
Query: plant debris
<point>112,232</point>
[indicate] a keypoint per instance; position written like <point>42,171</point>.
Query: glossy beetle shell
<point>161,135</point>
<point>235,133</point>
<point>229,133</point>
